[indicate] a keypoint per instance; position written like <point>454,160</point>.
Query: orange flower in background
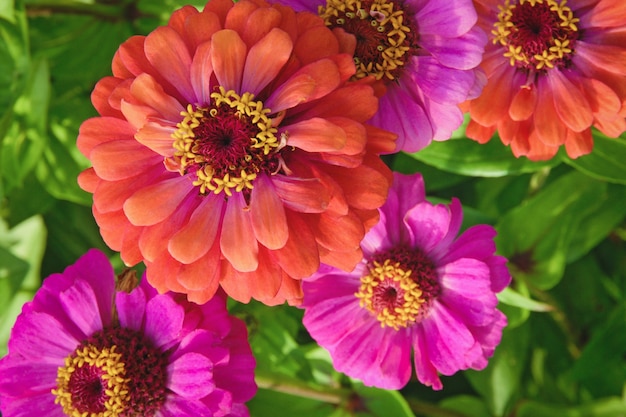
<point>230,150</point>
<point>555,69</point>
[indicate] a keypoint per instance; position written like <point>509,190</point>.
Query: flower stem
<point>121,10</point>
<point>284,384</point>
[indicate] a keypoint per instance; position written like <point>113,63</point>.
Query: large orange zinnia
<point>232,151</point>
<point>555,68</point>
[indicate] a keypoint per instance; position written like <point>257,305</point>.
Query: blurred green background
<point>561,223</point>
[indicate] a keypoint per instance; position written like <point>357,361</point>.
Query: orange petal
<point>131,58</point>
<point>579,143</point>
<point>220,8</point>
<point>299,257</point>
<point>179,17</point>
<point>201,73</point>
<point>601,97</point>
<point>478,132</point>
<point>169,55</point>
<point>304,195</point>
<point>100,97</point>
<point>290,291</point>
<point>98,130</point>
<point>606,13</point>
<point>344,260</point>
<point>539,150</point>
<point>239,246</point>
<point>355,101</point>
<point>609,57</point>
<point>157,138</point>
<point>316,135</point>
<point>548,125</point>
<point>495,99</point>
<point>268,214</point>
<point>339,233</point>
<point>162,274</point>
<point>88,180</point>
<point>119,159</point>
<point>260,22</point>
<point>228,55</point>
<point>111,195</point>
<point>570,103</point>
<point>523,103</point>
<point>200,27</point>
<point>146,89</point>
<point>262,284</point>
<point>202,278</point>
<point>238,15</point>
<point>153,204</point>
<point>611,126</point>
<point>316,43</point>
<point>195,239</point>
<point>259,70</point>
<point>380,141</point>
<point>355,133</point>
<point>309,83</point>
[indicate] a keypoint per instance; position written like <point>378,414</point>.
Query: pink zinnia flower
<point>418,288</point>
<point>555,68</point>
<point>230,149</point>
<point>83,348</point>
<point>424,51</point>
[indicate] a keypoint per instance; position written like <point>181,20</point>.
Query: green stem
<point>118,11</point>
<point>290,386</point>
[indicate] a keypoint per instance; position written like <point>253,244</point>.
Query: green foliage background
<point>561,223</point>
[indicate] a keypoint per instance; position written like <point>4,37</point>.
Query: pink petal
<point>426,372</point>
<point>153,204</point>
<point>428,224</point>
<point>42,338</point>
<point>164,321</point>
<point>237,239</point>
<point>268,214</point>
<point>131,308</point>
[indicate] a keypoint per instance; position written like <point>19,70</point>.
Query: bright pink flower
<point>555,68</point>
<point>418,288</point>
<point>230,149</point>
<point>425,52</point>
<point>83,348</point>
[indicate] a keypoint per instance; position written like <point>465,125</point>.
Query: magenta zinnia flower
<point>83,348</point>
<point>424,51</point>
<point>418,288</point>
<point>555,68</point>
<point>230,149</point>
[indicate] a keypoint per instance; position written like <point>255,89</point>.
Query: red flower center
<point>226,143</point>
<point>399,287</point>
<point>536,34</point>
<point>385,34</point>
<point>116,372</point>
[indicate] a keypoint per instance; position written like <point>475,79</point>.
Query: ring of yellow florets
<point>393,45</point>
<point>213,176</point>
<point>390,293</point>
<point>111,367</point>
<point>536,54</point>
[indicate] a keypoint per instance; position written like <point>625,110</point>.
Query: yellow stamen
<point>108,361</point>
<point>409,299</point>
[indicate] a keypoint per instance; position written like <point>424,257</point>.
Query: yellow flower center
<point>383,32</point>
<point>92,383</point>
<point>226,143</point>
<point>391,294</point>
<point>536,34</point>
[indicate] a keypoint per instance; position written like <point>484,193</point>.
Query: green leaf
<point>271,403</point>
<point>21,252</point>
<point>607,407</point>
<point>536,236</point>
<point>466,157</point>
<point>499,383</point>
<point>466,405</point>
<point>606,162</point>
<point>601,367</point>
<point>513,298</point>
<point>377,402</point>
<point>7,10</point>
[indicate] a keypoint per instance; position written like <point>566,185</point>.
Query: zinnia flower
<point>230,150</point>
<point>424,51</point>
<point>81,348</point>
<point>555,68</point>
<point>418,288</point>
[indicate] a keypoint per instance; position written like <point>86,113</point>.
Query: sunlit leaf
<point>606,162</point>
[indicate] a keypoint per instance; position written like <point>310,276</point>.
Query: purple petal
<point>489,336</point>
<point>428,225</point>
<point>406,192</point>
<point>426,372</point>
<point>176,406</point>
<point>41,338</point>
<point>164,321</point>
<point>467,291</point>
<point>446,118</point>
<point>463,53</point>
<point>81,307</point>
<point>401,110</point>
<point>191,376</point>
<point>131,308</point>
<point>441,84</point>
<point>449,343</point>
<point>26,378</point>
<point>36,405</point>
<point>446,18</point>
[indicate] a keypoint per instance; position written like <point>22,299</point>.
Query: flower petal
<point>164,321</point>
<point>259,70</point>
<point>228,55</point>
<point>190,376</point>
<point>570,103</point>
<point>237,240</point>
<point>267,214</point>
<point>153,204</point>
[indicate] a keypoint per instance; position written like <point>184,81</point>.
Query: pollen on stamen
<point>226,143</point>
